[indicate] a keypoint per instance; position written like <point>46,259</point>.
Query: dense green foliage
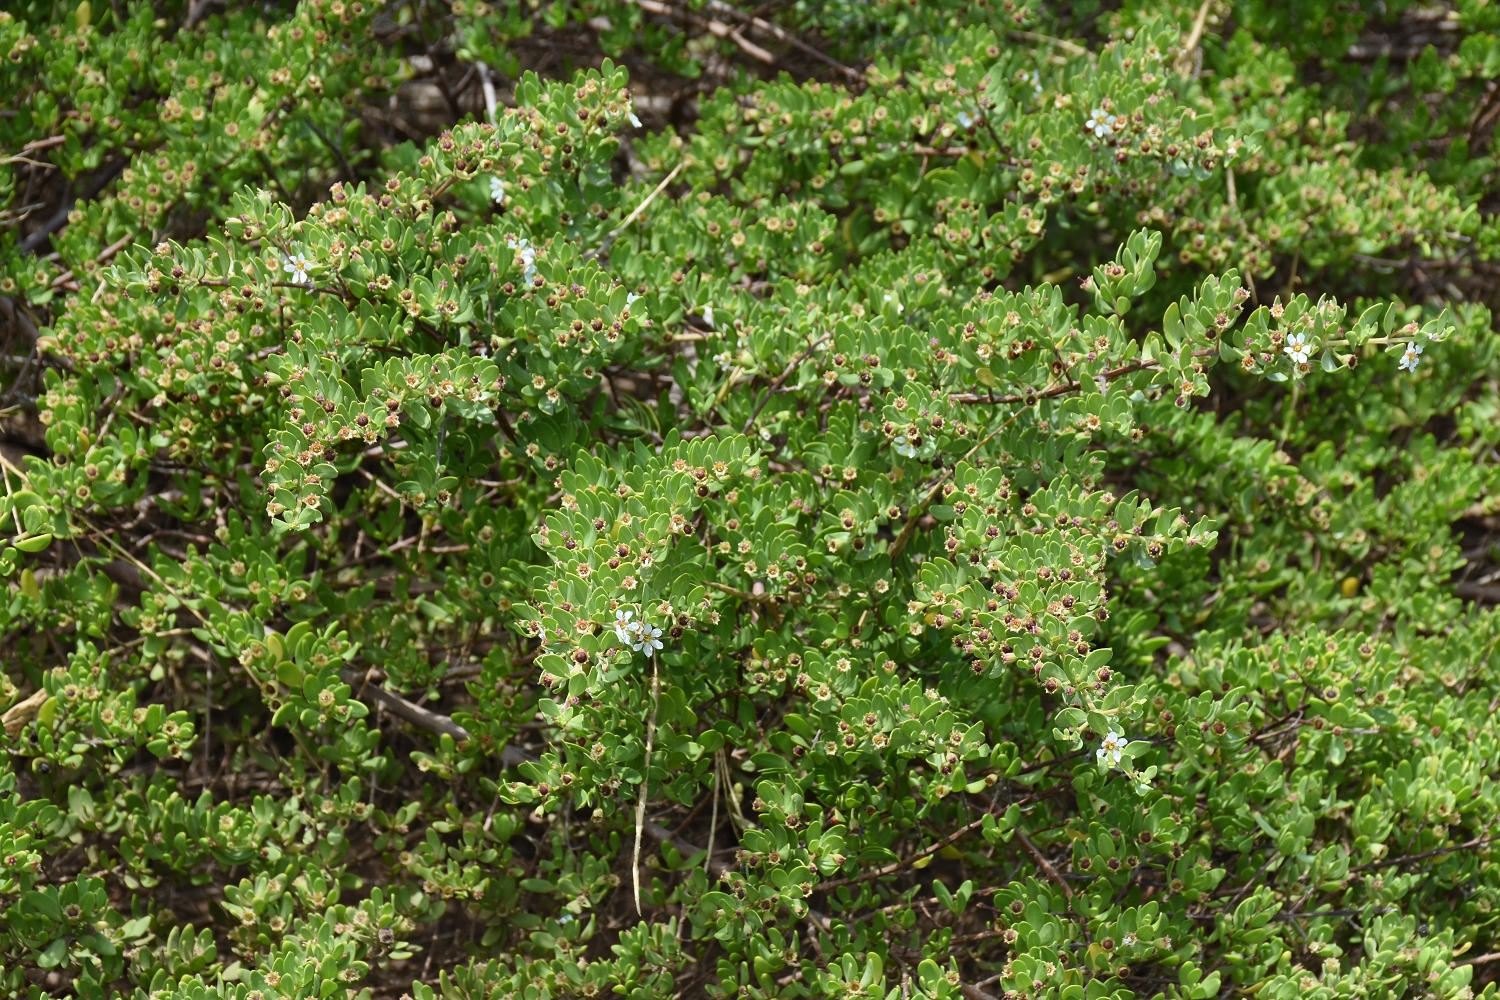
<point>891,499</point>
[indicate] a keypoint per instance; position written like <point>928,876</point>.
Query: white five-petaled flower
<point>624,626</point>
<point>1098,123</point>
<point>1112,749</point>
<point>965,119</point>
<point>497,191</point>
<point>296,265</point>
<point>528,256</point>
<point>1296,348</point>
<point>650,640</point>
<point>1412,356</point>
<point>1129,940</point>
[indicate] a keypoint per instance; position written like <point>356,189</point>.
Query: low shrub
<point>893,499</point>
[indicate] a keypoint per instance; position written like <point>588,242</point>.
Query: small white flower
<point>1128,940</point>
<point>296,265</point>
<point>1098,123</point>
<point>1296,348</point>
<point>725,360</point>
<point>624,626</point>
<point>1112,749</point>
<point>965,119</point>
<point>630,110</point>
<point>630,298</point>
<point>1412,356</point>
<point>708,316</point>
<point>528,256</point>
<point>650,640</point>
<point>1036,81</point>
<point>497,190</point>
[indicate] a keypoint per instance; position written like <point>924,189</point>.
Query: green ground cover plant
<point>905,499</point>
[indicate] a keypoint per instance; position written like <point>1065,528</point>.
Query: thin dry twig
<point>28,161</point>
<point>640,806</point>
<point>1043,863</point>
<point>716,28</point>
<point>1404,859</point>
<point>713,820</point>
<point>1188,59</point>
<point>104,256</point>
<point>780,379</point>
<point>1484,959</point>
<point>197,11</point>
<point>609,240</point>
<point>759,24</point>
<point>1071,48</point>
<point>915,515</point>
<point>896,866</point>
<point>423,718</point>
